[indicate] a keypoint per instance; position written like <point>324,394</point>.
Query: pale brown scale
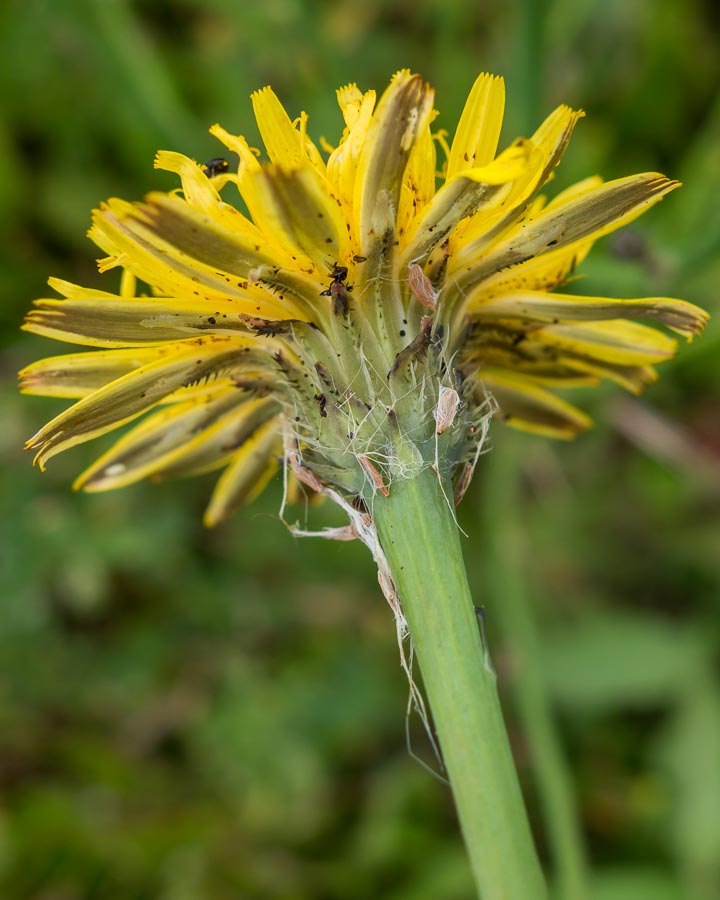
<point>302,473</point>
<point>463,481</point>
<point>375,476</point>
<point>446,409</point>
<point>421,287</point>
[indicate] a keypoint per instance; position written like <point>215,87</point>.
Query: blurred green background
<point>188,714</point>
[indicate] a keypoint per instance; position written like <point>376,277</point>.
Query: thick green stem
<point>511,608</point>
<point>419,536</point>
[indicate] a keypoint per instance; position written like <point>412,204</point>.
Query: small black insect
<point>339,274</point>
<point>216,166</point>
<point>338,290</point>
<point>416,348</point>
<point>322,403</point>
<point>340,298</point>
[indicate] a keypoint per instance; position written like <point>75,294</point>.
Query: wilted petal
<point>401,115</point>
<point>76,375</point>
<point>464,195</point>
<point>198,434</point>
<point>592,213</point>
<point>540,306</point>
<point>300,208</point>
<point>129,396</point>
<point>218,446</point>
<point>137,321</point>
<point>531,408</point>
<point>619,351</point>
<point>252,467</point>
<point>623,343</point>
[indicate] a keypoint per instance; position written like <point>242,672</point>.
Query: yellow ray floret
<point>478,131</point>
<point>540,306</point>
<point>190,436</point>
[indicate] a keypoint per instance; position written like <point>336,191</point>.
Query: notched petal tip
<point>404,75</point>
<point>285,140</point>
<point>258,92</point>
<point>33,442</point>
<point>682,317</point>
<point>40,443</point>
<point>171,161</point>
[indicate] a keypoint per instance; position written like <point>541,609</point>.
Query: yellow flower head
<point>357,319</point>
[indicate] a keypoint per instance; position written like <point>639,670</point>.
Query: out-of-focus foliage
<point>190,715</point>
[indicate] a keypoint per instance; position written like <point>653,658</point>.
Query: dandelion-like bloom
<point>355,321</point>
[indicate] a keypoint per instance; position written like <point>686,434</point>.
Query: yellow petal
<point>207,429</point>
<point>578,189</point>
<point>199,191</point>
<point>401,116</point>
<point>633,378</point>
<point>238,144</point>
<point>343,162</point>
<point>276,240</point>
<point>282,141</point>
<point>201,195</point>
<point>129,396</point>
<point>75,375</point>
<point>620,351</point>
<point>252,467</point>
<point>553,136</point>
<point>463,196</point>
<point>138,321</point>
<point>286,145</point>
<point>418,185</point>
<point>220,444</point>
<point>351,101</point>
<point>478,132</point>
<point>539,306</point>
<point>543,272</point>
<point>622,343</point>
<point>77,292</point>
<point>303,215</point>
<point>548,145</point>
<point>290,200</point>
<point>530,408</point>
<point>589,214</point>
<point>181,251</point>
